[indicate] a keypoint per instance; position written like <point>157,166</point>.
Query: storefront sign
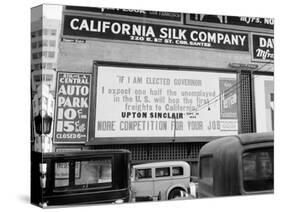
<point>89,27</point>
<point>72,107</point>
<point>263,48</point>
<point>129,12</point>
<point>141,102</point>
<point>266,23</point>
<point>243,66</point>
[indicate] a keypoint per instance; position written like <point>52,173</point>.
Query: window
<point>44,54</point>
<point>177,171</point>
<point>33,34</point>
<point>206,169</point>
<point>143,173</point>
<point>45,42</point>
<point>37,66</point>
<point>39,32</point>
<point>44,65</point>
<point>94,172</point>
<point>34,45</point>
<point>52,43</point>
<point>51,54</point>
<point>40,43</point>
<point>162,172</point>
<point>61,174</point>
<point>49,65</point>
<point>45,31</point>
<point>34,56</point>
<point>53,32</point>
<point>258,169</point>
<point>37,78</point>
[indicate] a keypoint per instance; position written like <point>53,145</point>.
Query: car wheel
<point>176,192</point>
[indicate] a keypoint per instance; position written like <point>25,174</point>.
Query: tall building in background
<point>44,43</point>
<point>44,51</point>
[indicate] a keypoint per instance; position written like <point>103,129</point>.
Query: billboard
<point>264,103</point>
<point>143,102</point>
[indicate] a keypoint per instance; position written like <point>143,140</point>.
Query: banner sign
<point>72,107</point>
<point>142,102</point>
<point>129,12</point>
<point>266,23</point>
<point>90,27</point>
<point>263,48</point>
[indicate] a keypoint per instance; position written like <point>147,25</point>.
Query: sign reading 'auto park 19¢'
<point>91,27</point>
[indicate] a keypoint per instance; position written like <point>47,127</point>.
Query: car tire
<point>176,192</point>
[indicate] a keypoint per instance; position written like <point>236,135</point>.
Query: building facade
<point>160,84</point>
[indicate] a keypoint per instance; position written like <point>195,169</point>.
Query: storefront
<point>160,84</point>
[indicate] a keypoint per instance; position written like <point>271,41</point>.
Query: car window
<point>258,169</point>
<point>177,171</point>
<point>94,172</point>
<point>162,172</point>
<point>206,169</point>
<point>143,173</point>
<point>61,174</point>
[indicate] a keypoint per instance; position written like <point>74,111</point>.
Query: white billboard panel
<point>142,102</point>
<point>264,103</point>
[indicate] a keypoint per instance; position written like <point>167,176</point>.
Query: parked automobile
<point>237,165</point>
<point>160,180</point>
<point>97,176</point>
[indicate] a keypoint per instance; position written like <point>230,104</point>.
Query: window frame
<point>208,180</point>
<point>81,187</point>
<point>176,175</point>
<point>242,168</point>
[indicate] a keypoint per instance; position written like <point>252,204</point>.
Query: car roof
<point>78,153</point>
<point>230,142</point>
<point>164,163</point>
<point>250,138</point>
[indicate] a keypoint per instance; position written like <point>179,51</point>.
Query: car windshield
<point>258,169</point>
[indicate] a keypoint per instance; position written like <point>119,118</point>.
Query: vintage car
<point>237,165</point>
<point>160,180</point>
<point>92,176</point>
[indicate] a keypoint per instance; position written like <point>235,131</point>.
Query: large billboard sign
<point>83,27</point>
<point>264,103</point>
<point>143,102</point>
<point>72,107</point>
